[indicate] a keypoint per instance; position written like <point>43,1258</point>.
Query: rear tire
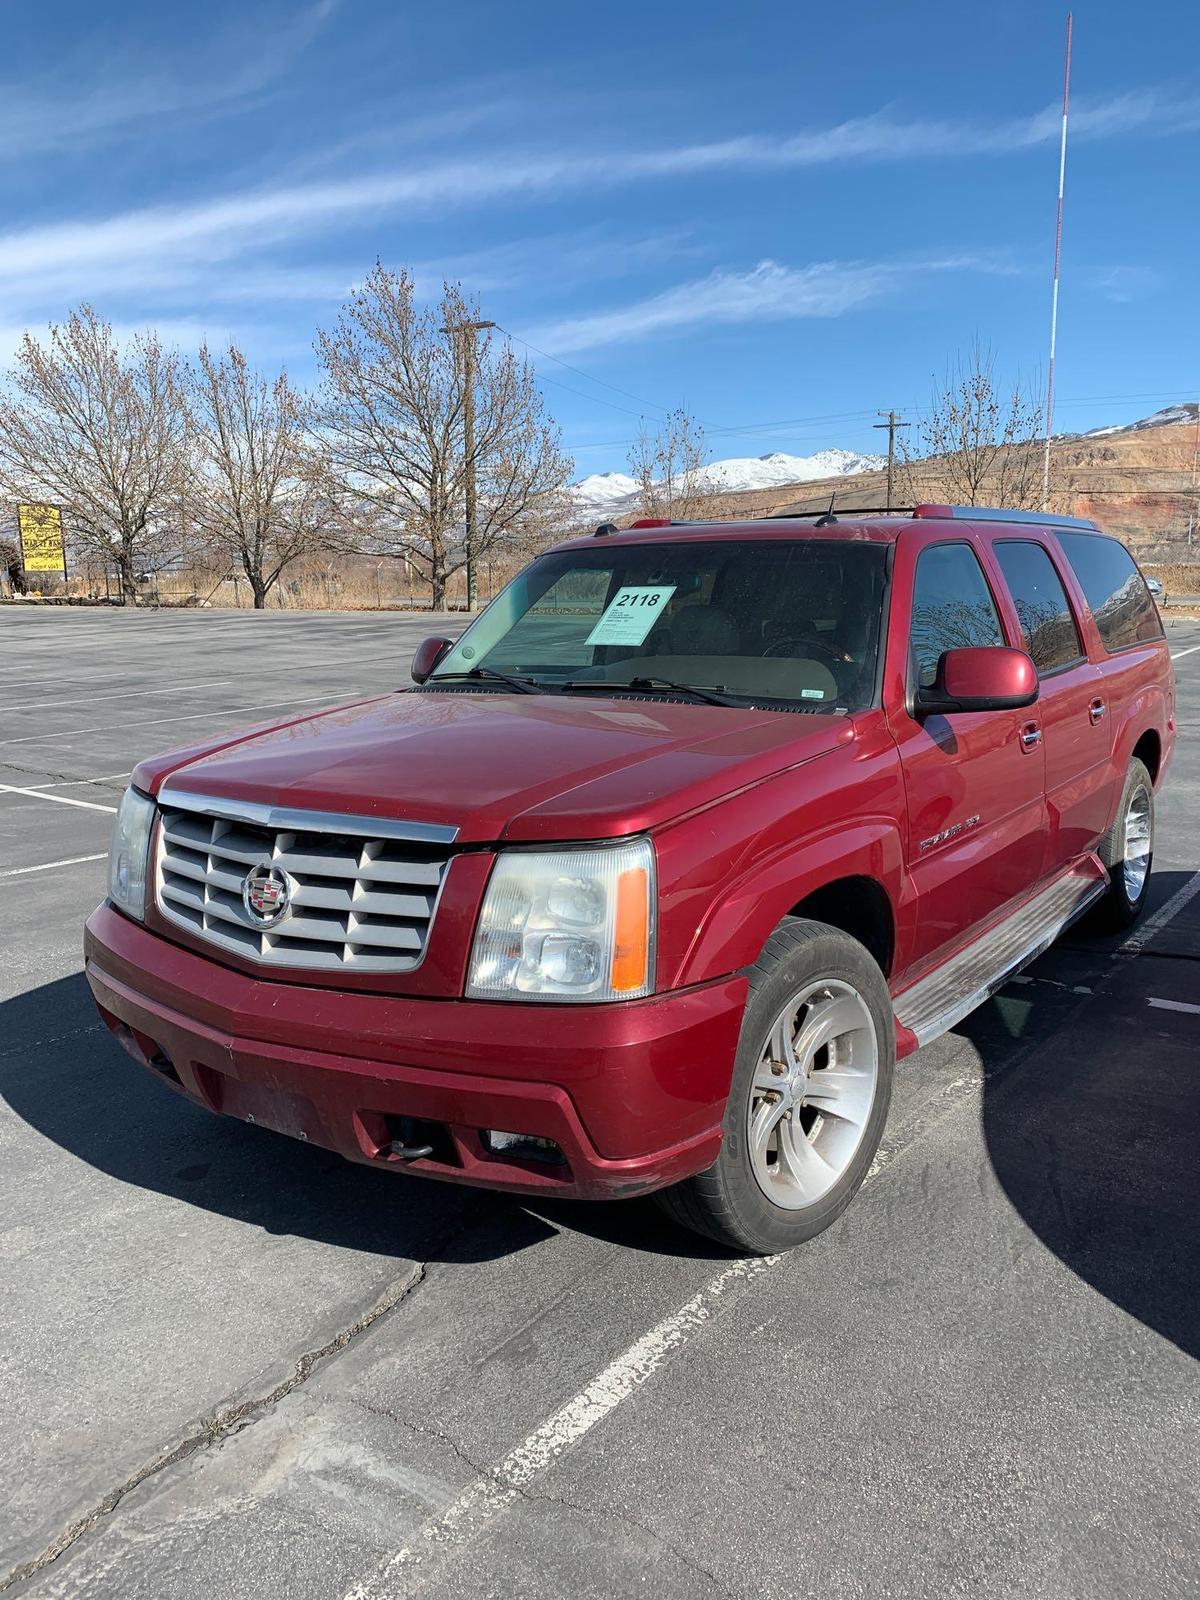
<point>812,1082</point>
<point>1127,850</point>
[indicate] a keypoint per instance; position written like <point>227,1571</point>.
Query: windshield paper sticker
<point>630,615</point>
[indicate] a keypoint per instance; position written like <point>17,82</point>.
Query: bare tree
<point>669,467</point>
<point>978,443</point>
<point>100,432</point>
<point>259,494</point>
<point>393,417</point>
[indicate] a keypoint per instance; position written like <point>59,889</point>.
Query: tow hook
<point>409,1152</point>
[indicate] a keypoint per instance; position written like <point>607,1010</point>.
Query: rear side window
<point>952,607</point>
<point>1043,610</point>
<point>1115,589</point>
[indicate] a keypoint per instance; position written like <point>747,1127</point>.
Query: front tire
<point>1127,849</point>
<point>812,1082</point>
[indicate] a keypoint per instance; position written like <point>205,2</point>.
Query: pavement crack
<point>625,1519</point>
<point>425,1431</point>
<point>225,1420</point>
<point>55,1038</point>
<point>48,775</point>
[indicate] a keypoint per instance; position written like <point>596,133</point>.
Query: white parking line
<point>1178,655</point>
<point>1135,943</point>
<point>59,799</point>
<point>487,1495</point>
<point>494,1491</point>
<point>215,711</point>
<point>128,694</point>
<point>48,866</point>
<point>1174,1005</point>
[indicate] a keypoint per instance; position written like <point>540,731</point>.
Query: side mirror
<point>429,653</point>
<point>984,678</point>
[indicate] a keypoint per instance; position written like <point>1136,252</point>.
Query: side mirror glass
<point>983,678</point>
<point>429,653</point>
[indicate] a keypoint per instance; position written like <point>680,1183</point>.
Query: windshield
<point>790,622</point>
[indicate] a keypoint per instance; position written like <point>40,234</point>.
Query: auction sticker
<point>630,615</point>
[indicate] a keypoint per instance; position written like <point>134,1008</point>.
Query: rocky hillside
<point>1135,480</point>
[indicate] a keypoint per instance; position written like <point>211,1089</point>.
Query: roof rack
<point>845,511</point>
<point>1002,514</point>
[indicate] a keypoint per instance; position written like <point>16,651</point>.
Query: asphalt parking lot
<point>234,1364</point>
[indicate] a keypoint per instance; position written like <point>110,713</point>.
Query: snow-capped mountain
<point>764,472</point>
<point>601,490</point>
<point>614,492</point>
<point>1184,412</point>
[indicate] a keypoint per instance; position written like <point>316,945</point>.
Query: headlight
<point>567,925</point>
<point>129,853</point>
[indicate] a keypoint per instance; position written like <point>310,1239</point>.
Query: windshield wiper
<point>709,696</point>
<point>521,685</point>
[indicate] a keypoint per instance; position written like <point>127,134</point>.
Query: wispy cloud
<point>126,87</point>
<point>1122,284</point>
<point>770,292</point>
<point>229,237</point>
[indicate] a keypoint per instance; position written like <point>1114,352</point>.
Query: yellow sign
<point>42,545</point>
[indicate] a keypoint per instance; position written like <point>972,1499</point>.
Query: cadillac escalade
<point>647,880</point>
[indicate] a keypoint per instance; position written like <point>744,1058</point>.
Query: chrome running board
<point>936,1002</point>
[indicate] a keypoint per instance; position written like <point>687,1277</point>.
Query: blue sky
<point>780,216</point>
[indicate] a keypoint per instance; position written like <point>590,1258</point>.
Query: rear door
<point>1075,727</point>
<point>1127,632</point>
<point>975,781</point>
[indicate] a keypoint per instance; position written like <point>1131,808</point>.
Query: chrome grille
<point>358,902</point>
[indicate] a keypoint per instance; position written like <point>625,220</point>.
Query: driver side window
<point>952,607</point>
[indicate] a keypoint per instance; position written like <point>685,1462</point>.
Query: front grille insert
<point>356,903</point>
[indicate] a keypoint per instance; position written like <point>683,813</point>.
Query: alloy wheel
<point>1136,854</point>
<point>812,1093</point>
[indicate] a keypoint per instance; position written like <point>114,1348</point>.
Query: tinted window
<point>952,607</point>
<point>1115,589</point>
<point>796,621</point>
<point>1047,626</point>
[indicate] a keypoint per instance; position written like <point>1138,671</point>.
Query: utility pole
<point>468,330</point>
<point>1195,473</point>
<point>891,425</point>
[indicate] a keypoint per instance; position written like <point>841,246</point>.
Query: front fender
<point>730,874</point>
<point>752,906</point>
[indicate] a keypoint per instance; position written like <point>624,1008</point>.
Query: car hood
<point>505,766</point>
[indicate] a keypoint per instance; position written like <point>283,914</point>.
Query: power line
<point>579,372</point>
<point>594,399</point>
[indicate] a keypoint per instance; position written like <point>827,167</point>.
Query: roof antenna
<point>824,522</point>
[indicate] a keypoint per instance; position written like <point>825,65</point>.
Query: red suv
<point>652,875</point>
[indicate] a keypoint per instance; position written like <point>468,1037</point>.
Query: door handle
<point>1030,738</point>
<point>1097,710</point>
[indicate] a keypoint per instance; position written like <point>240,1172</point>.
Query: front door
<point>975,781</point>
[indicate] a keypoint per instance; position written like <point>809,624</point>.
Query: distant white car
<point>1155,588</point>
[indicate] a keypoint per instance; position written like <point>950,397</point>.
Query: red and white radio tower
<point>1062,172</point>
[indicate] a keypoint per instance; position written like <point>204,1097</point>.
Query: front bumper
<point>632,1093</point>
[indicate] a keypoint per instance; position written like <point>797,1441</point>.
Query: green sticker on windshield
<point>630,615</point>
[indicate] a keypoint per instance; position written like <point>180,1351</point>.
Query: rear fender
<point>1147,712</point>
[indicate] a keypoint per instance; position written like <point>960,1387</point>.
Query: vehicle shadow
<point>1093,1132</point>
<point>1091,1117</point>
<point>63,1075</point>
